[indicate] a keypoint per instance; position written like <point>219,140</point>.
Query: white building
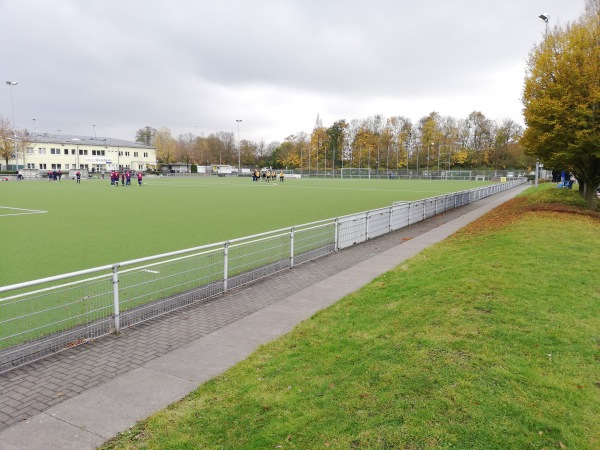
<point>47,151</point>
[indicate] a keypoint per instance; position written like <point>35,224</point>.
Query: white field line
<point>25,211</point>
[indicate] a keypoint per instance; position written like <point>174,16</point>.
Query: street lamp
<point>11,84</point>
<point>239,149</point>
<point>545,18</point>
<point>94,131</point>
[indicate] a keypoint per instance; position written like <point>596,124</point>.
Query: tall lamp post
<point>545,18</point>
<point>239,149</point>
<point>11,84</point>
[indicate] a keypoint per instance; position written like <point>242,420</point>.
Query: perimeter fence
<point>45,316</point>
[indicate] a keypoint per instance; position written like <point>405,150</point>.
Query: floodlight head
<point>544,17</point>
<point>12,83</point>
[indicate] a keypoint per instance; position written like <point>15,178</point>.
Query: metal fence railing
<point>45,316</point>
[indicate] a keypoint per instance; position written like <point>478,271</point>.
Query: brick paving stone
<point>16,395</point>
<point>11,402</point>
<point>27,390</point>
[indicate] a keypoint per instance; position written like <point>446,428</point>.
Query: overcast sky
<point>275,64</point>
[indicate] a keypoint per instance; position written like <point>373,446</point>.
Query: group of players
<point>125,178</point>
<point>266,175</point>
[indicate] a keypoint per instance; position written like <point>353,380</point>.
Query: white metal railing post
<point>336,235</point>
<point>225,265</point>
<point>116,308</point>
<point>367,226</point>
<point>292,248</point>
<point>390,219</point>
<point>408,218</point>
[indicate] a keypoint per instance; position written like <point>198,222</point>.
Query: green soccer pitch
<point>50,228</point>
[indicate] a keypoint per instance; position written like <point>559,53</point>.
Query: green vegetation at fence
<point>488,340</point>
<point>52,228</point>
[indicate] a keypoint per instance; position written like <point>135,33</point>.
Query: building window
<point>126,153</point>
<point>73,151</point>
<point>56,166</point>
<point>66,167</point>
<point>66,152</point>
<point>83,152</point>
<point>42,150</point>
<point>120,153</point>
<point>145,154</point>
<point>30,150</point>
<point>42,166</point>
<point>30,166</point>
<point>102,153</point>
<point>135,154</point>
<point>55,151</point>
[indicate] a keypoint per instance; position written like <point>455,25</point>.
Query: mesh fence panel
<point>155,289</point>
<point>314,242</point>
<point>254,260</point>
<point>417,211</point>
<point>352,230</point>
<point>53,318</point>
<point>378,222</point>
<point>399,216</point>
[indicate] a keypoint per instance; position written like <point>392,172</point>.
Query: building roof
<point>50,138</point>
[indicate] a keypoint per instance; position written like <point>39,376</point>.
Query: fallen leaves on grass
<point>512,210</point>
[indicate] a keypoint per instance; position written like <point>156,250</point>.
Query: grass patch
<point>490,339</point>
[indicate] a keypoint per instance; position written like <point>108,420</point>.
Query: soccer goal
<point>349,172</point>
<point>458,175</point>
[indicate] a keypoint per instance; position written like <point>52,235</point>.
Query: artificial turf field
<point>50,228</point>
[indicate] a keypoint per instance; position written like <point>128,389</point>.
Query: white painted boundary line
<point>27,211</point>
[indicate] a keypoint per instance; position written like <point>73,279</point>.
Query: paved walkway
<point>81,397</point>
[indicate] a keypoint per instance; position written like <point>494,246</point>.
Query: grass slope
<point>92,224</point>
<point>488,340</point>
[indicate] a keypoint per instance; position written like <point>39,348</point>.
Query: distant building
<point>46,151</point>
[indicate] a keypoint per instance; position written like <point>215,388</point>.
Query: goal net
<point>457,174</point>
<point>349,172</point>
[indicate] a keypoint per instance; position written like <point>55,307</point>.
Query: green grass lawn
<point>92,224</point>
<point>488,340</point>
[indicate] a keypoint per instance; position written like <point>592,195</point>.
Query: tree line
<point>435,142</point>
